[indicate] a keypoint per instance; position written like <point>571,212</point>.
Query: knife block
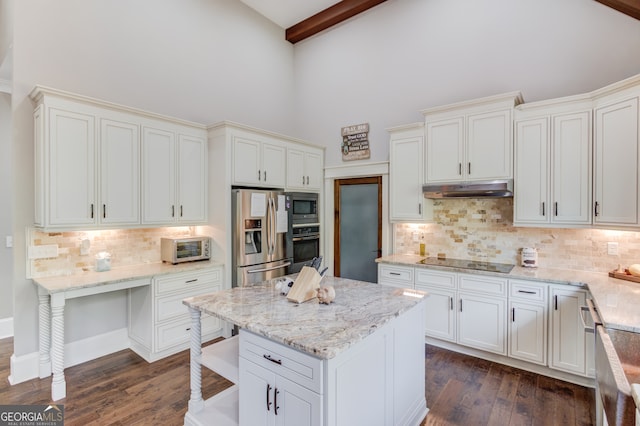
<point>305,286</point>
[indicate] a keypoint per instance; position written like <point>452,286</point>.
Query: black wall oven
<point>306,246</point>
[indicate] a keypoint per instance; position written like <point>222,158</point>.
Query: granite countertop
<point>359,309</point>
<point>617,301</point>
<point>115,275</point>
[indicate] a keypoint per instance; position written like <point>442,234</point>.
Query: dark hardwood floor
<point>123,389</point>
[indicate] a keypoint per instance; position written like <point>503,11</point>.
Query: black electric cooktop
<point>476,265</point>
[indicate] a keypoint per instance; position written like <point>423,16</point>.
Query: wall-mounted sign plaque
<point>355,142</point>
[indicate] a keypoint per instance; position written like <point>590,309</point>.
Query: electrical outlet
<point>612,248</point>
<point>9,241</point>
<point>43,252</point>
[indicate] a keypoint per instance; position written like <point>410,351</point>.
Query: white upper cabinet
<point>470,141</point>
<point>553,164</point>
<point>257,161</point>
<point>119,172</point>
<point>99,164</point>
<point>174,177</point>
<point>158,176</point>
<point>406,175</point>
<point>192,179</point>
<point>304,169</point>
<point>617,158</point>
<point>66,145</point>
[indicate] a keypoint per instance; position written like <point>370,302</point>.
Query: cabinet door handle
<point>180,210</point>
<point>104,211</point>
<point>265,175</point>
<point>513,314</point>
<point>451,303</point>
<point>596,209</point>
<point>307,180</point>
<point>276,361</point>
<point>460,169</point>
<point>543,209</point>
<point>303,180</point>
<point>268,400</point>
<point>469,172</point>
<point>556,208</point>
<point>259,175</point>
<point>173,211</point>
<point>555,302</point>
<point>526,292</point>
<point>91,211</point>
<point>419,208</point>
<point>460,305</point>
<point>275,401</point>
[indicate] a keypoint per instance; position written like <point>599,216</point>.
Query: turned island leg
<point>58,384</point>
<point>196,403</point>
<point>44,333</point>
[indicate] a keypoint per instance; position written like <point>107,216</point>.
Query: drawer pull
<point>191,281</point>
<point>394,273</point>
<point>526,292</point>
<point>268,401</point>
<point>276,361</point>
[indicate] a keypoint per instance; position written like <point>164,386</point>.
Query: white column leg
<point>58,384</point>
<point>44,325</point>
<point>196,403</point>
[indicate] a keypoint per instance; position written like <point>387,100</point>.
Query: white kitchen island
<point>359,360</point>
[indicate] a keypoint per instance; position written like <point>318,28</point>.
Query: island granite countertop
<point>359,309</point>
<point>617,301</point>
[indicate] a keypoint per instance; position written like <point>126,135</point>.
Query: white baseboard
<point>26,367</point>
<point>6,328</point>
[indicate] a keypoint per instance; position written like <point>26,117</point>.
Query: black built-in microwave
<point>304,207</point>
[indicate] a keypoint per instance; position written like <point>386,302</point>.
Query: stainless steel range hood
<point>478,189</point>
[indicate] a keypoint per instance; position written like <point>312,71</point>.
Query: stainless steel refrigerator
<point>261,244</point>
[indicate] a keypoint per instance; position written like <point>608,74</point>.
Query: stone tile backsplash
<point>482,229</point>
<point>126,246</point>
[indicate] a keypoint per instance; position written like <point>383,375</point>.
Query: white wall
<point>402,56</point>
<point>200,60</point>
<point>6,180</point>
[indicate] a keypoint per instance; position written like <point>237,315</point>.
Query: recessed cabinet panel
<point>192,179</point>
<point>119,173</point>
<point>406,176</point>
<point>158,176</point>
<point>445,141</point>
<point>616,164</point>
<point>571,170</point>
<point>527,336</point>
<point>273,165</point>
<point>567,332</point>
<point>489,146</point>
<point>72,177</point>
<point>531,201</point>
<point>481,323</point>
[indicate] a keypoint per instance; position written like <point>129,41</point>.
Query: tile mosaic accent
<point>482,230</point>
<point>126,246</point>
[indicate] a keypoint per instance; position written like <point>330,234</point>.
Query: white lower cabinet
<point>481,323</point>
<point>570,350</point>
<point>159,324</point>
<point>272,384</point>
<point>395,276</point>
<point>528,321</point>
<point>440,319</point>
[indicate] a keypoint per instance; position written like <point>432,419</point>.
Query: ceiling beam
<point>628,7</point>
<point>327,18</point>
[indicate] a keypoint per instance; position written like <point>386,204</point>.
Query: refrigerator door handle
<point>273,268</point>
<point>273,226</point>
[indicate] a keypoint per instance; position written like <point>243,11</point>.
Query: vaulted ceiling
<point>304,18</point>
